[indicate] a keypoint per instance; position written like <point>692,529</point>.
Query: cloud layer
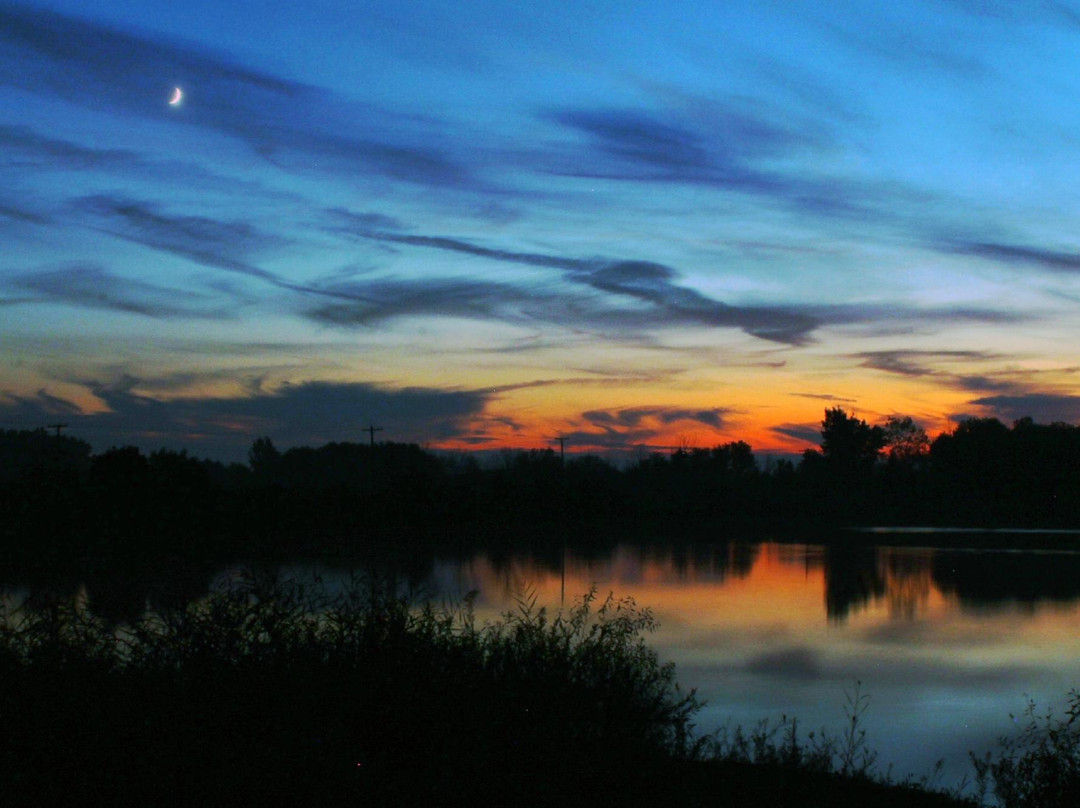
<point>295,414</point>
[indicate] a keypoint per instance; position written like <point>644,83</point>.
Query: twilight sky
<point>483,224</point>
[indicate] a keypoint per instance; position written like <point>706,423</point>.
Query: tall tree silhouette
<point>850,445</point>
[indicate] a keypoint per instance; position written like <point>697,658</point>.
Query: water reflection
<point>947,642</point>
<point>852,579</point>
<point>992,579</point>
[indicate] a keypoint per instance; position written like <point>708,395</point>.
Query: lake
<point>947,643</point>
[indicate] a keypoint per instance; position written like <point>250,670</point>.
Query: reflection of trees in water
<point>514,573</point>
<point>120,593</point>
<point>714,562</point>
<point>742,558</point>
<point>855,576</point>
<point>908,581</point>
<point>852,578</point>
<point>511,571</point>
<point>988,579</point>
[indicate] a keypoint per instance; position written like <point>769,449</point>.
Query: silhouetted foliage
<point>38,455</point>
<point>848,444</point>
<point>1039,767</point>
<point>904,441</point>
<point>270,692</point>
<point>63,502</point>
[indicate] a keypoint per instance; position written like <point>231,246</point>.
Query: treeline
<point>982,474</point>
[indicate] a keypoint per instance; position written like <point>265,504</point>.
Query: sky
<point>638,226</point>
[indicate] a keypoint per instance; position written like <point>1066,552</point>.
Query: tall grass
<point>1039,767</point>
<point>847,753</point>
<point>274,692</point>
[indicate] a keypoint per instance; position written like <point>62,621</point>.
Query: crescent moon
<point>177,95</point>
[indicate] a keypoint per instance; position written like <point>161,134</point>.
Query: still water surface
<point>947,643</point>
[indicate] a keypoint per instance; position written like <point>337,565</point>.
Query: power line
<point>57,427</point>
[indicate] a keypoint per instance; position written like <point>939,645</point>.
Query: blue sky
<point>488,224</point>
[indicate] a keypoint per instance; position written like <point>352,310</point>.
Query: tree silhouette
<point>264,459</point>
<point>850,442</point>
<point>905,441</point>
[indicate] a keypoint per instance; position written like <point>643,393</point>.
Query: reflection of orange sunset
<point>748,627</point>
<point>778,590</point>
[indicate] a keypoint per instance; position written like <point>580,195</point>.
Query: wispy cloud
<point>919,363</point>
<point>368,303</point>
<point>17,210</point>
<point>221,244</point>
<point>1054,260</point>
<point>633,416</point>
<point>628,144</point>
<point>90,286</point>
<point>924,51</point>
<point>668,303</point>
<point>1018,392</point>
<point>826,397</point>
<point>726,146</point>
<point>808,433</point>
<point>27,148</point>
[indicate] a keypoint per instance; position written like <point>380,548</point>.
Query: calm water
<point>947,643</point>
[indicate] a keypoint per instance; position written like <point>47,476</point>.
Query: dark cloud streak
<point>634,416</point>
<point>1041,407</point>
<point>808,433</point>
<point>90,286</point>
<point>308,413</point>
<point>1055,260</point>
<point>643,281</point>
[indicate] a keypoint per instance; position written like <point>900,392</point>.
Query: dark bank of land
<point>278,696</point>
<point>61,502</point>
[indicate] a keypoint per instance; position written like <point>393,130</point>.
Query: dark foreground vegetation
<point>270,695</point>
<point>62,501</point>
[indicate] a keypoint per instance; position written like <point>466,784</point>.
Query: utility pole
<point>562,479</point>
<point>371,430</point>
<point>57,427</point>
